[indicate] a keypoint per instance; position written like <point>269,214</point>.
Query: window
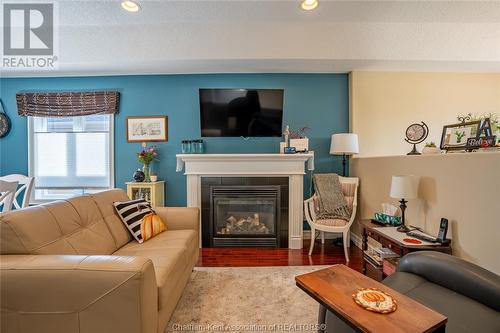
<point>70,156</point>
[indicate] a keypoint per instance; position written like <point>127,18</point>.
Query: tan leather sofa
<point>71,266</point>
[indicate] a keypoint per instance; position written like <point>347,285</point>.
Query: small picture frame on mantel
<point>147,128</point>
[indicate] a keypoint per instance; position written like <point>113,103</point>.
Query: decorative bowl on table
<point>375,300</point>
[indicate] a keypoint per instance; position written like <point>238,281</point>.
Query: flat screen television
<point>241,112</point>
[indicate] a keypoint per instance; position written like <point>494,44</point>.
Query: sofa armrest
<point>179,218</point>
<point>71,293</point>
<point>455,274</point>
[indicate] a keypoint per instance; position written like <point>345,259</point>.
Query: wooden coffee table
<point>333,288</point>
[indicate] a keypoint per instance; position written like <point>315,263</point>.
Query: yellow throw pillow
<point>151,226</point>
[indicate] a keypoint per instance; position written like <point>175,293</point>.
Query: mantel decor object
<point>415,134</point>
<point>294,139</point>
<point>301,145</point>
<point>299,140</point>
<point>403,187</point>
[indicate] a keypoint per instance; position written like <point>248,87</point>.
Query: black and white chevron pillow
<point>131,213</point>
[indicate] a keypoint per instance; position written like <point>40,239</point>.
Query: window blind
<point>71,152</point>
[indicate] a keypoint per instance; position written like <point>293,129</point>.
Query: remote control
<point>421,237</point>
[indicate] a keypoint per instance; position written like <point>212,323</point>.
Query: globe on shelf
<point>139,176</point>
<point>415,134</point>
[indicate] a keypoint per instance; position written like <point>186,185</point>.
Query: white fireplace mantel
<point>196,166</point>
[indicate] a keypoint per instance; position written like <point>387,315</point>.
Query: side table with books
<point>389,245</point>
<point>152,192</point>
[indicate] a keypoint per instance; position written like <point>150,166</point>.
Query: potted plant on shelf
<point>146,156</point>
<point>430,148</point>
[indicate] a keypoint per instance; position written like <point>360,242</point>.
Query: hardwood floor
<point>327,254</point>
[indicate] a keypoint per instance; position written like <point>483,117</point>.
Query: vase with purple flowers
<point>146,156</point>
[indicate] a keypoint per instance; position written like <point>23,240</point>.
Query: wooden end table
<point>372,230</point>
<point>333,288</point>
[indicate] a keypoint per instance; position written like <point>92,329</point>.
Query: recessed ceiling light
<point>309,4</point>
<point>131,6</point>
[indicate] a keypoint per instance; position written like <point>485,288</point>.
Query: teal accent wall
<point>319,101</point>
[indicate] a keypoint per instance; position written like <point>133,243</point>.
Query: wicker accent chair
<point>350,189</point>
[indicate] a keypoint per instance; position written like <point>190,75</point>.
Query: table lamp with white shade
<point>344,144</point>
<point>403,187</point>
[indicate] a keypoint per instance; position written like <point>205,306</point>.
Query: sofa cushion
<point>35,229</point>
<point>464,314</point>
<point>455,274</point>
<point>94,236</point>
<point>73,226</point>
<point>172,254</point>
<point>104,201</point>
<point>140,219</point>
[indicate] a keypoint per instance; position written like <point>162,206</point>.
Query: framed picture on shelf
<point>455,136</point>
<point>147,128</point>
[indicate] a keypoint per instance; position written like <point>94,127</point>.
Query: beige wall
<point>465,188</point>
<point>383,104</point>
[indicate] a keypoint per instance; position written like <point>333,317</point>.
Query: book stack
<point>385,253</point>
<point>373,257</point>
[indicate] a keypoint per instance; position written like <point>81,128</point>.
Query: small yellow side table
<point>152,192</point>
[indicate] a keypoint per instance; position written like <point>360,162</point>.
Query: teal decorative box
<point>388,219</point>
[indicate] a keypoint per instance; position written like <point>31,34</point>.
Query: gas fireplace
<point>243,215</point>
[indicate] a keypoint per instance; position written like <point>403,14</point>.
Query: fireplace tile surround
<point>201,169</point>
<point>275,238</point>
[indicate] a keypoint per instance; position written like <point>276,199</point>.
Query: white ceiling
<point>98,37</point>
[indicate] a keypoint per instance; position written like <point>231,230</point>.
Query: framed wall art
<point>147,128</point>
<point>455,136</point>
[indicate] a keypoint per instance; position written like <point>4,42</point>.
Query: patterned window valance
<point>67,104</point>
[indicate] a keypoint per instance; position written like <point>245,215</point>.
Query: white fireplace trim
<point>251,165</point>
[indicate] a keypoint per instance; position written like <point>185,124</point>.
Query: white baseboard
<point>355,239</point>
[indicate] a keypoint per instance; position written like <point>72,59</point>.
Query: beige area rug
<point>254,299</point>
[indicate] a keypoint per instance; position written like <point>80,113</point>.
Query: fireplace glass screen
<point>236,216</point>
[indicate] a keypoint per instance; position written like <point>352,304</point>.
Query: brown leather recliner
<point>72,266</point>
